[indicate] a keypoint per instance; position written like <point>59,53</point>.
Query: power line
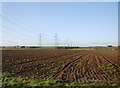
<point>20,36</point>
<point>15,38</point>
<point>40,41</point>
<point>71,43</point>
<point>67,43</point>
<point>13,30</point>
<point>9,36</point>
<point>17,19</point>
<point>56,40</point>
<point>27,30</point>
<point>16,24</point>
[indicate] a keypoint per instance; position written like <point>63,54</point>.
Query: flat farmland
<point>64,65</point>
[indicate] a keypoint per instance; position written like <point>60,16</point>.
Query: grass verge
<point>19,82</point>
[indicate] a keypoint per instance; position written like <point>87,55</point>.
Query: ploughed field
<point>65,65</point>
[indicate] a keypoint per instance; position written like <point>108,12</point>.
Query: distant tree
<point>109,45</point>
